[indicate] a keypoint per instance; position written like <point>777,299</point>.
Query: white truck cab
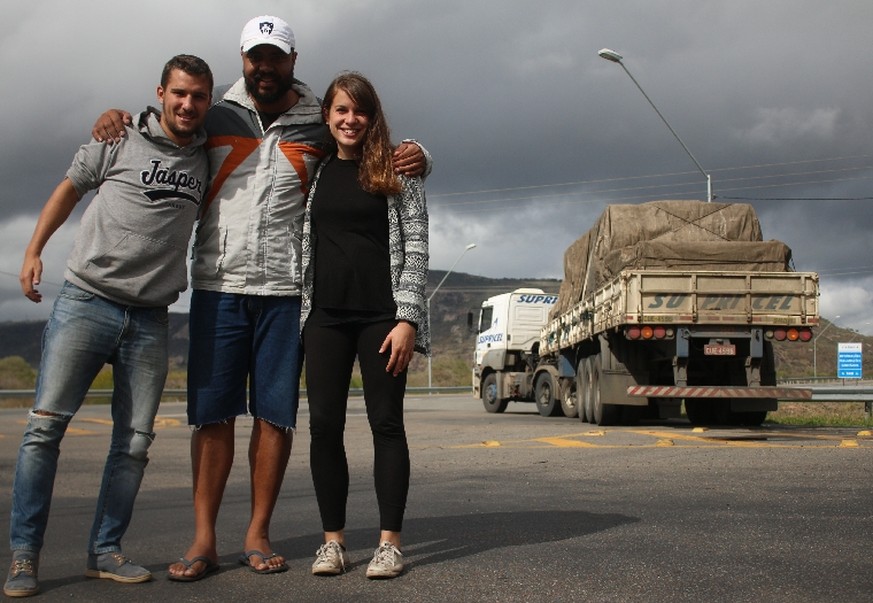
<point>508,334</point>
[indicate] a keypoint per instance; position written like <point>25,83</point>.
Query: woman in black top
<point>365,263</point>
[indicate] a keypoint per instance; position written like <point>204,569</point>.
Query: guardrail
<point>860,392</point>
<point>820,393</point>
<point>842,393</point>
<point>182,393</point>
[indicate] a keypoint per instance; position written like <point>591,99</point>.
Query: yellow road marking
<point>685,439</point>
<point>166,422</point>
<point>565,443</point>
<point>159,421</point>
<point>98,421</point>
<point>670,435</point>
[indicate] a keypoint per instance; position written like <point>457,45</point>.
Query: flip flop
<point>209,567</point>
<point>246,559</point>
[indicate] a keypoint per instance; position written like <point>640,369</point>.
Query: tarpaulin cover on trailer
<point>673,235</point>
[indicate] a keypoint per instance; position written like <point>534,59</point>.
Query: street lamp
<point>814,341</point>
<point>611,55</point>
<point>432,293</point>
<point>857,332</point>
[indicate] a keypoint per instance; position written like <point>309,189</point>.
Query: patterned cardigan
<point>408,250</point>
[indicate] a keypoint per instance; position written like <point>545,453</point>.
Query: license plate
<point>719,349</point>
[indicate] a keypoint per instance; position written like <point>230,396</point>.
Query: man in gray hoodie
<point>126,267</point>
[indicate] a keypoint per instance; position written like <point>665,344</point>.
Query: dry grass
<point>825,414</point>
<point>832,414</point>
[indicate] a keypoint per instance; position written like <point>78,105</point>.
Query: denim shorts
<point>238,341</point>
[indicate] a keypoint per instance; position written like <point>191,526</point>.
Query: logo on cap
<point>267,30</point>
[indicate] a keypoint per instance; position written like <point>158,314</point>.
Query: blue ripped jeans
<point>83,333</point>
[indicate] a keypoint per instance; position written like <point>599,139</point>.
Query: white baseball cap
<point>267,30</point>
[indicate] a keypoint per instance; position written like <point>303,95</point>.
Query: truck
<point>664,306</point>
<point>506,346</point>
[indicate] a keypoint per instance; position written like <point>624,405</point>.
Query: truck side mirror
<point>470,321</point>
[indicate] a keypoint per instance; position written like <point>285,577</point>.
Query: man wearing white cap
<point>265,138</point>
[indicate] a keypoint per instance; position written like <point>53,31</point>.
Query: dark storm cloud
<point>532,132</point>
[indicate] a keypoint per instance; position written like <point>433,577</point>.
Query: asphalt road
<point>504,508</point>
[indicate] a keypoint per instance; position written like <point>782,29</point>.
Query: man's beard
<point>181,131</point>
<point>282,87</point>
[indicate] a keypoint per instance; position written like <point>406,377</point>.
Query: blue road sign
<point>849,361</point>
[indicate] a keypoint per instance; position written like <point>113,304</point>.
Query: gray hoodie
<point>133,237</point>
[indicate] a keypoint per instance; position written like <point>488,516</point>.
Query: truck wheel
<point>603,414</point>
<point>708,412</point>
<point>570,399</point>
<point>751,418</point>
<point>754,418</point>
<point>489,395</point>
<point>544,395</point>
<point>698,413</point>
<point>583,392</point>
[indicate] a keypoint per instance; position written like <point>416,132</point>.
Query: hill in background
<point>453,342</point>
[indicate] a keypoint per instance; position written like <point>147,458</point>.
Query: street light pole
<point>432,293</point>
<point>814,342</point>
<point>858,333</point>
<point>611,55</point>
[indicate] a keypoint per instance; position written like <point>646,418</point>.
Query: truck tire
<point>603,414</point>
<point>751,418</point>
<point>708,412</point>
<point>544,396</point>
<point>583,392</point>
<point>570,399</point>
<point>489,395</point>
<point>755,418</point>
<point>698,413</point>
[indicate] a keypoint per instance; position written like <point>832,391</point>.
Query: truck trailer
<point>663,304</point>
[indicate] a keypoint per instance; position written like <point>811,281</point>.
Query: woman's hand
<point>401,341</point>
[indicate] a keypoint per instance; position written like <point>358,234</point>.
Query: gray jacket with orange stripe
<point>249,237</point>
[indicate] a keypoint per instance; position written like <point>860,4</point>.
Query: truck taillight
<point>647,332</point>
<point>789,334</point>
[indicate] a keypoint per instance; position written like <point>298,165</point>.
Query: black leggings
<point>330,353</point>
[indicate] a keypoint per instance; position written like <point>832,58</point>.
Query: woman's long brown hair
<point>375,169</point>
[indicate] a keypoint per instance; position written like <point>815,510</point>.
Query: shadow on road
<point>432,540</point>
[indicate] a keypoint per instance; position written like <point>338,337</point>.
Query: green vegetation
<point>447,370</point>
<point>821,414</point>
<point>15,373</point>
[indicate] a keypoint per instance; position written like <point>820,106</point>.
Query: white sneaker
<point>387,562</point>
<point>330,559</point>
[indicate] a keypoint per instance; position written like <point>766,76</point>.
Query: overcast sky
<point>532,133</point>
